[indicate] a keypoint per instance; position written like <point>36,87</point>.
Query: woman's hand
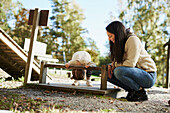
<point>67,65</point>
<point>110,71</point>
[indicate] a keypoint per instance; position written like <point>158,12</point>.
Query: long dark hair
<point>117,49</point>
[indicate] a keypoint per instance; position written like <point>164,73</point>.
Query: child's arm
<point>67,65</point>
<point>90,64</point>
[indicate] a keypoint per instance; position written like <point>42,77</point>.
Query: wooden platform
<point>95,89</point>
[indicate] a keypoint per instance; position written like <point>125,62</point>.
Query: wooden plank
<point>104,77</point>
<point>6,51</point>
<point>29,64</point>
<point>5,47</point>
<point>10,62</point>
<point>84,89</point>
<point>16,58</point>
<point>2,44</point>
<point>12,57</point>
<point>11,54</point>
<point>21,62</point>
<point>71,67</point>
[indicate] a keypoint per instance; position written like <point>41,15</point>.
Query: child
<point>81,58</point>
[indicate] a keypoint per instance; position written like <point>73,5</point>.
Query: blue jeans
<point>130,78</point>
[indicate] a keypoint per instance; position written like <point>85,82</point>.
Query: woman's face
<point>111,36</point>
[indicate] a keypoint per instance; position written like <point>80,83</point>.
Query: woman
<point>132,68</point>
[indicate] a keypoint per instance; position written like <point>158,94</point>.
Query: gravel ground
<point>79,102</point>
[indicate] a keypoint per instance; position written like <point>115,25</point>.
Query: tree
<point>7,10</point>
<point>67,19</point>
<point>21,30</point>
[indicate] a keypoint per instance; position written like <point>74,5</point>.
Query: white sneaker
<point>76,83</point>
<point>89,83</point>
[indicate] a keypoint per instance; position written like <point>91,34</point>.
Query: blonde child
<point>81,58</point>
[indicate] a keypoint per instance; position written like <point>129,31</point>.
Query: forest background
<point>149,19</point>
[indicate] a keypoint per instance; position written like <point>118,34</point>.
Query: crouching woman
<point>132,67</point>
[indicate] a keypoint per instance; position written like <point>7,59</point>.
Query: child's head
<point>78,74</point>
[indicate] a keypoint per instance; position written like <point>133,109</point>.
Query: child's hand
<point>86,66</point>
<point>67,65</point>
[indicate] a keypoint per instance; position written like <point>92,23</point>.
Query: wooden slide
<point>13,58</point>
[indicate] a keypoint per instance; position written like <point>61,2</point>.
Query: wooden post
<point>168,68</point>
<point>28,69</point>
<point>104,73</point>
<point>43,73</point>
<point>168,64</point>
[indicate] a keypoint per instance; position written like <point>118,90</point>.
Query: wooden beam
<point>71,67</point>
<point>29,64</point>
<point>41,72</point>
<point>104,73</point>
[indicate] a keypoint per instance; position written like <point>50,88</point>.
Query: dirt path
<point>78,102</point>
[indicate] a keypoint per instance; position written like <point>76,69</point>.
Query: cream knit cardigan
<point>83,57</point>
<point>136,56</point>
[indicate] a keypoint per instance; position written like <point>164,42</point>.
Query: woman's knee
<point>150,84</point>
<point>118,72</point>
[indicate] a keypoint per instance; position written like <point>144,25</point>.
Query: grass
<point>20,103</point>
<point>107,110</point>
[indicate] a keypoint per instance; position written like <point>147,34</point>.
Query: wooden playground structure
<point>101,87</point>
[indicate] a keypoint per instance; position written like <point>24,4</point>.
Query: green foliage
<point>4,14</point>
<point>104,60</point>
<point>67,20</point>
<point>7,12</point>
<point>67,30</point>
<point>21,30</point>
<point>108,110</point>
